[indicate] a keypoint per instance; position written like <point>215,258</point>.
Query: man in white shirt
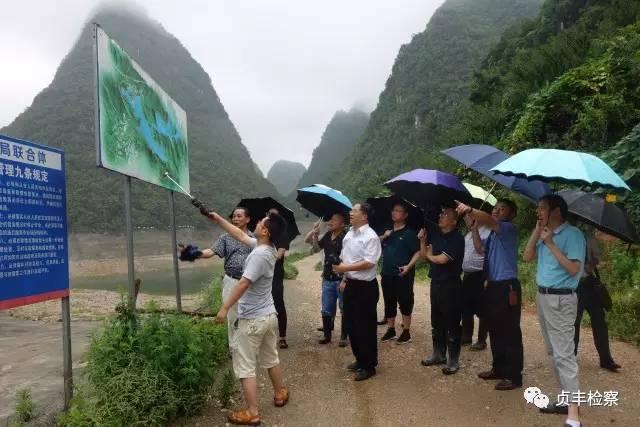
<point>361,251</point>
<point>473,287</point>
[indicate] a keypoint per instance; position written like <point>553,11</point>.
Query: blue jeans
<point>330,293</point>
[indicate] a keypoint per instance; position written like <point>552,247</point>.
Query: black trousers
<point>504,329</point>
<point>446,312</point>
<point>277,291</point>
<point>398,291</point>
<point>473,305</point>
<point>588,300</point>
<point>359,301</point>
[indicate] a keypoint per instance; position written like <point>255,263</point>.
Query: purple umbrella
<point>429,189</point>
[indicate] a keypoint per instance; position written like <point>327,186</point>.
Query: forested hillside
<point>568,79</point>
<point>62,115</point>
<point>339,137</point>
<point>284,175</point>
<point>430,82</point>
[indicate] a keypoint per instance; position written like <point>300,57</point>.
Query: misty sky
<point>280,67</point>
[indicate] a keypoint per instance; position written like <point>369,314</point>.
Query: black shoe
<point>354,367</point>
<point>382,322</point>
<point>478,346</point>
<point>611,366</point>
<point>324,341</point>
<point>505,385</point>
<point>364,374</point>
<point>489,375</point>
<point>389,335</point>
<point>555,409</point>
<point>326,322</point>
<point>404,338</point>
<point>282,343</point>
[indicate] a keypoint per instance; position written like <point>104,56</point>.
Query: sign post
<point>129,234</point>
<point>174,245</point>
<point>34,249</point>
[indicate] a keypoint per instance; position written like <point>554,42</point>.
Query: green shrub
<point>25,407</point>
<point>227,388</point>
<point>146,371</point>
<point>290,270</point>
<point>211,296</point>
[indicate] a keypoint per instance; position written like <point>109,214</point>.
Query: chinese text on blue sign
<point>33,224</point>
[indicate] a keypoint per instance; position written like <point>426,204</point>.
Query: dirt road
<point>405,393</point>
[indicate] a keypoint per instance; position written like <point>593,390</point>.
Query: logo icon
<point>534,395</point>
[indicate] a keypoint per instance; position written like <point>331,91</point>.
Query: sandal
<point>244,418</point>
<point>283,343</point>
<point>281,398</point>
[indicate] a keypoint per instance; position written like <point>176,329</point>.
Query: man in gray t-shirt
<point>257,301</point>
<point>257,325</point>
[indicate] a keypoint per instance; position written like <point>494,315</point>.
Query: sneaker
<point>389,335</point>
<point>404,338</point>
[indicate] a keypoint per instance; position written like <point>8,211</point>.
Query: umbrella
<point>481,197</point>
<point>382,207</point>
<point>603,215</point>
<point>570,167</point>
<point>323,201</point>
<point>429,189</point>
<point>259,207</point>
<point>481,158</point>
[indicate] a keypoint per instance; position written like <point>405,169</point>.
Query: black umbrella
<point>259,207</point>
<point>382,206</point>
<point>603,215</point>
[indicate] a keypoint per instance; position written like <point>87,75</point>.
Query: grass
<point>290,270</point>
<point>25,408</point>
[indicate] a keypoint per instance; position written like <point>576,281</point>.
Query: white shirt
<point>473,261</point>
<point>361,244</point>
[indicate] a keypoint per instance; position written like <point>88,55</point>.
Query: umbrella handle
<point>488,194</point>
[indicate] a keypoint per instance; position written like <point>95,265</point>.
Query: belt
<point>552,291</point>
<point>237,277</point>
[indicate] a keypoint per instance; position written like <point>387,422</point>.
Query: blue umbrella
<point>570,167</point>
<point>481,158</point>
<point>323,201</point>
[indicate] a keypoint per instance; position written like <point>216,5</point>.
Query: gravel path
<point>405,393</point>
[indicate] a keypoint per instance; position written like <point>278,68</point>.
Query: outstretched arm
<point>480,217</point>
<point>231,229</point>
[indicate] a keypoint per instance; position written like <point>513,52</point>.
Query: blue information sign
<point>33,224</point>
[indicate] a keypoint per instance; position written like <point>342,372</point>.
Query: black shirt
<point>451,244</point>
<point>332,249</point>
<point>278,271</point>
<point>398,249</point>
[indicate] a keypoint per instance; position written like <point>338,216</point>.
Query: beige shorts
<point>256,342</point>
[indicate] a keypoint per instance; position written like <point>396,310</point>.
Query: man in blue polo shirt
<point>503,294</point>
<point>559,249</point>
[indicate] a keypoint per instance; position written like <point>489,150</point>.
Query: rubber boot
<point>343,334</point>
<point>453,358</point>
<point>438,357</point>
<point>326,324</point>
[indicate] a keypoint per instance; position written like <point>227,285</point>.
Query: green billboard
<point>142,132</point>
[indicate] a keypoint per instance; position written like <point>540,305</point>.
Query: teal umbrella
<point>570,167</point>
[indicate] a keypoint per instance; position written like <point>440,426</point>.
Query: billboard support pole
<point>66,352</point>
<point>174,246</point>
<point>129,224</point>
